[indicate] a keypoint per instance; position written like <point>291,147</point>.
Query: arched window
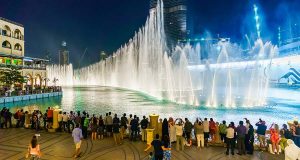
<point>6,31</point>
<point>38,80</point>
<point>18,34</point>
<point>18,47</point>
<point>6,44</point>
<point>29,79</point>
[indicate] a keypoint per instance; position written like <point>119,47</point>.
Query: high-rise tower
<point>63,54</point>
<point>175,18</point>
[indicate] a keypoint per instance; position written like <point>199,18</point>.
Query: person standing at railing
<point>144,125</point>
<point>2,117</point>
<point>124,123</point>
<point>198,127</point>
<point>100,130</point>
<point>251,139</point>
<point>296,133</point>
<point>241,132</point>
<point>65,119</point>
<point>19,116</point>
<point>50,117</point>
<point>261,131</point>
<point>230,138</point>
<point>222,129</point>
<point>45,119</point>
<point>206,131</point>
<point>60,121</point>
<point>247,136</point>
<point>109,123</point>
<point>285,134</point>
<point>274,138</point>
<point>8,116</point>
<point>71,120</point>
<point>116,130</point>
<point>179,134</point>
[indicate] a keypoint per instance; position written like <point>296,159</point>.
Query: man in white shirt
<point>65,121</point>
<point>109,123</point>
<point>179,133</point>
<point>129,126</point>
<point>206,130</point>
<point>230,138</point>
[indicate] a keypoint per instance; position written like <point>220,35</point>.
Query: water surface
<point>283,105</point>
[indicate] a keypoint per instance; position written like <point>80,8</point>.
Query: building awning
<point>30,59</point>
<point>10,55</point>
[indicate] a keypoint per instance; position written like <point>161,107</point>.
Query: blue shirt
<point>157,144</point>
<point>77,135</point>
<point>261,129</point>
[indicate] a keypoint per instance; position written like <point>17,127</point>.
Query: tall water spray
<point>144,65</point>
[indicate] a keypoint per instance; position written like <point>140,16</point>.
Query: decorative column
<point>55,118</point>
<point>150,136</point>
<point>153,122</point>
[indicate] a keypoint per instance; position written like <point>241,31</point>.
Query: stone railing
<point>12,99</point>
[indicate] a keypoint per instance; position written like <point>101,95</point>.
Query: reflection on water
<point>283,105</point>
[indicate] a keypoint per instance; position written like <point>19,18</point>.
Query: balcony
<point>36,67</point>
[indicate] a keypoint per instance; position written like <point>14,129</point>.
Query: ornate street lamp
<point>54,81</point>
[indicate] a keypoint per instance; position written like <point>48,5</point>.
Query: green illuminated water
<point>100,100</point>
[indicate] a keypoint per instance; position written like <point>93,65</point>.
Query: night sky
<point>107,24</point>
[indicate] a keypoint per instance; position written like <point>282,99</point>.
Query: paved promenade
<point>59,146</point>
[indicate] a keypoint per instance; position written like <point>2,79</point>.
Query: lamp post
<point>46,80</point>
<point>54,81</point>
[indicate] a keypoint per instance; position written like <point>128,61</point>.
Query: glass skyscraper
<point>175,16</point>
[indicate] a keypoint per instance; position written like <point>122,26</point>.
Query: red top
<point>274,135</point>
<point>50,113</point>
<point>212,125</point>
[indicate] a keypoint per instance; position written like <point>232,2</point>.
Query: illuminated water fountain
<point>143,64</point>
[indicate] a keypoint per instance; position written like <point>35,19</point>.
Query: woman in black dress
<point>165,128</point>
<point>100,128</point>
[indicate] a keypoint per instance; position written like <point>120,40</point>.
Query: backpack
<point>16,115</point>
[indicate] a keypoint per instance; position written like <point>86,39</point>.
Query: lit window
<point>177,8</point>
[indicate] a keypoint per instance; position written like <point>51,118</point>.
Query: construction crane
<point>81,57</point>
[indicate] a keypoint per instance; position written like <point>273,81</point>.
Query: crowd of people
<point>170,131</point>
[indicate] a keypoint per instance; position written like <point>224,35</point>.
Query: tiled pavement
<point>59,146</point>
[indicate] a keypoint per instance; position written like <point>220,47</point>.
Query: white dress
<point>172,133</point>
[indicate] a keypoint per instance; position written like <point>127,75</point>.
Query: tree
<point>11,75</point>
